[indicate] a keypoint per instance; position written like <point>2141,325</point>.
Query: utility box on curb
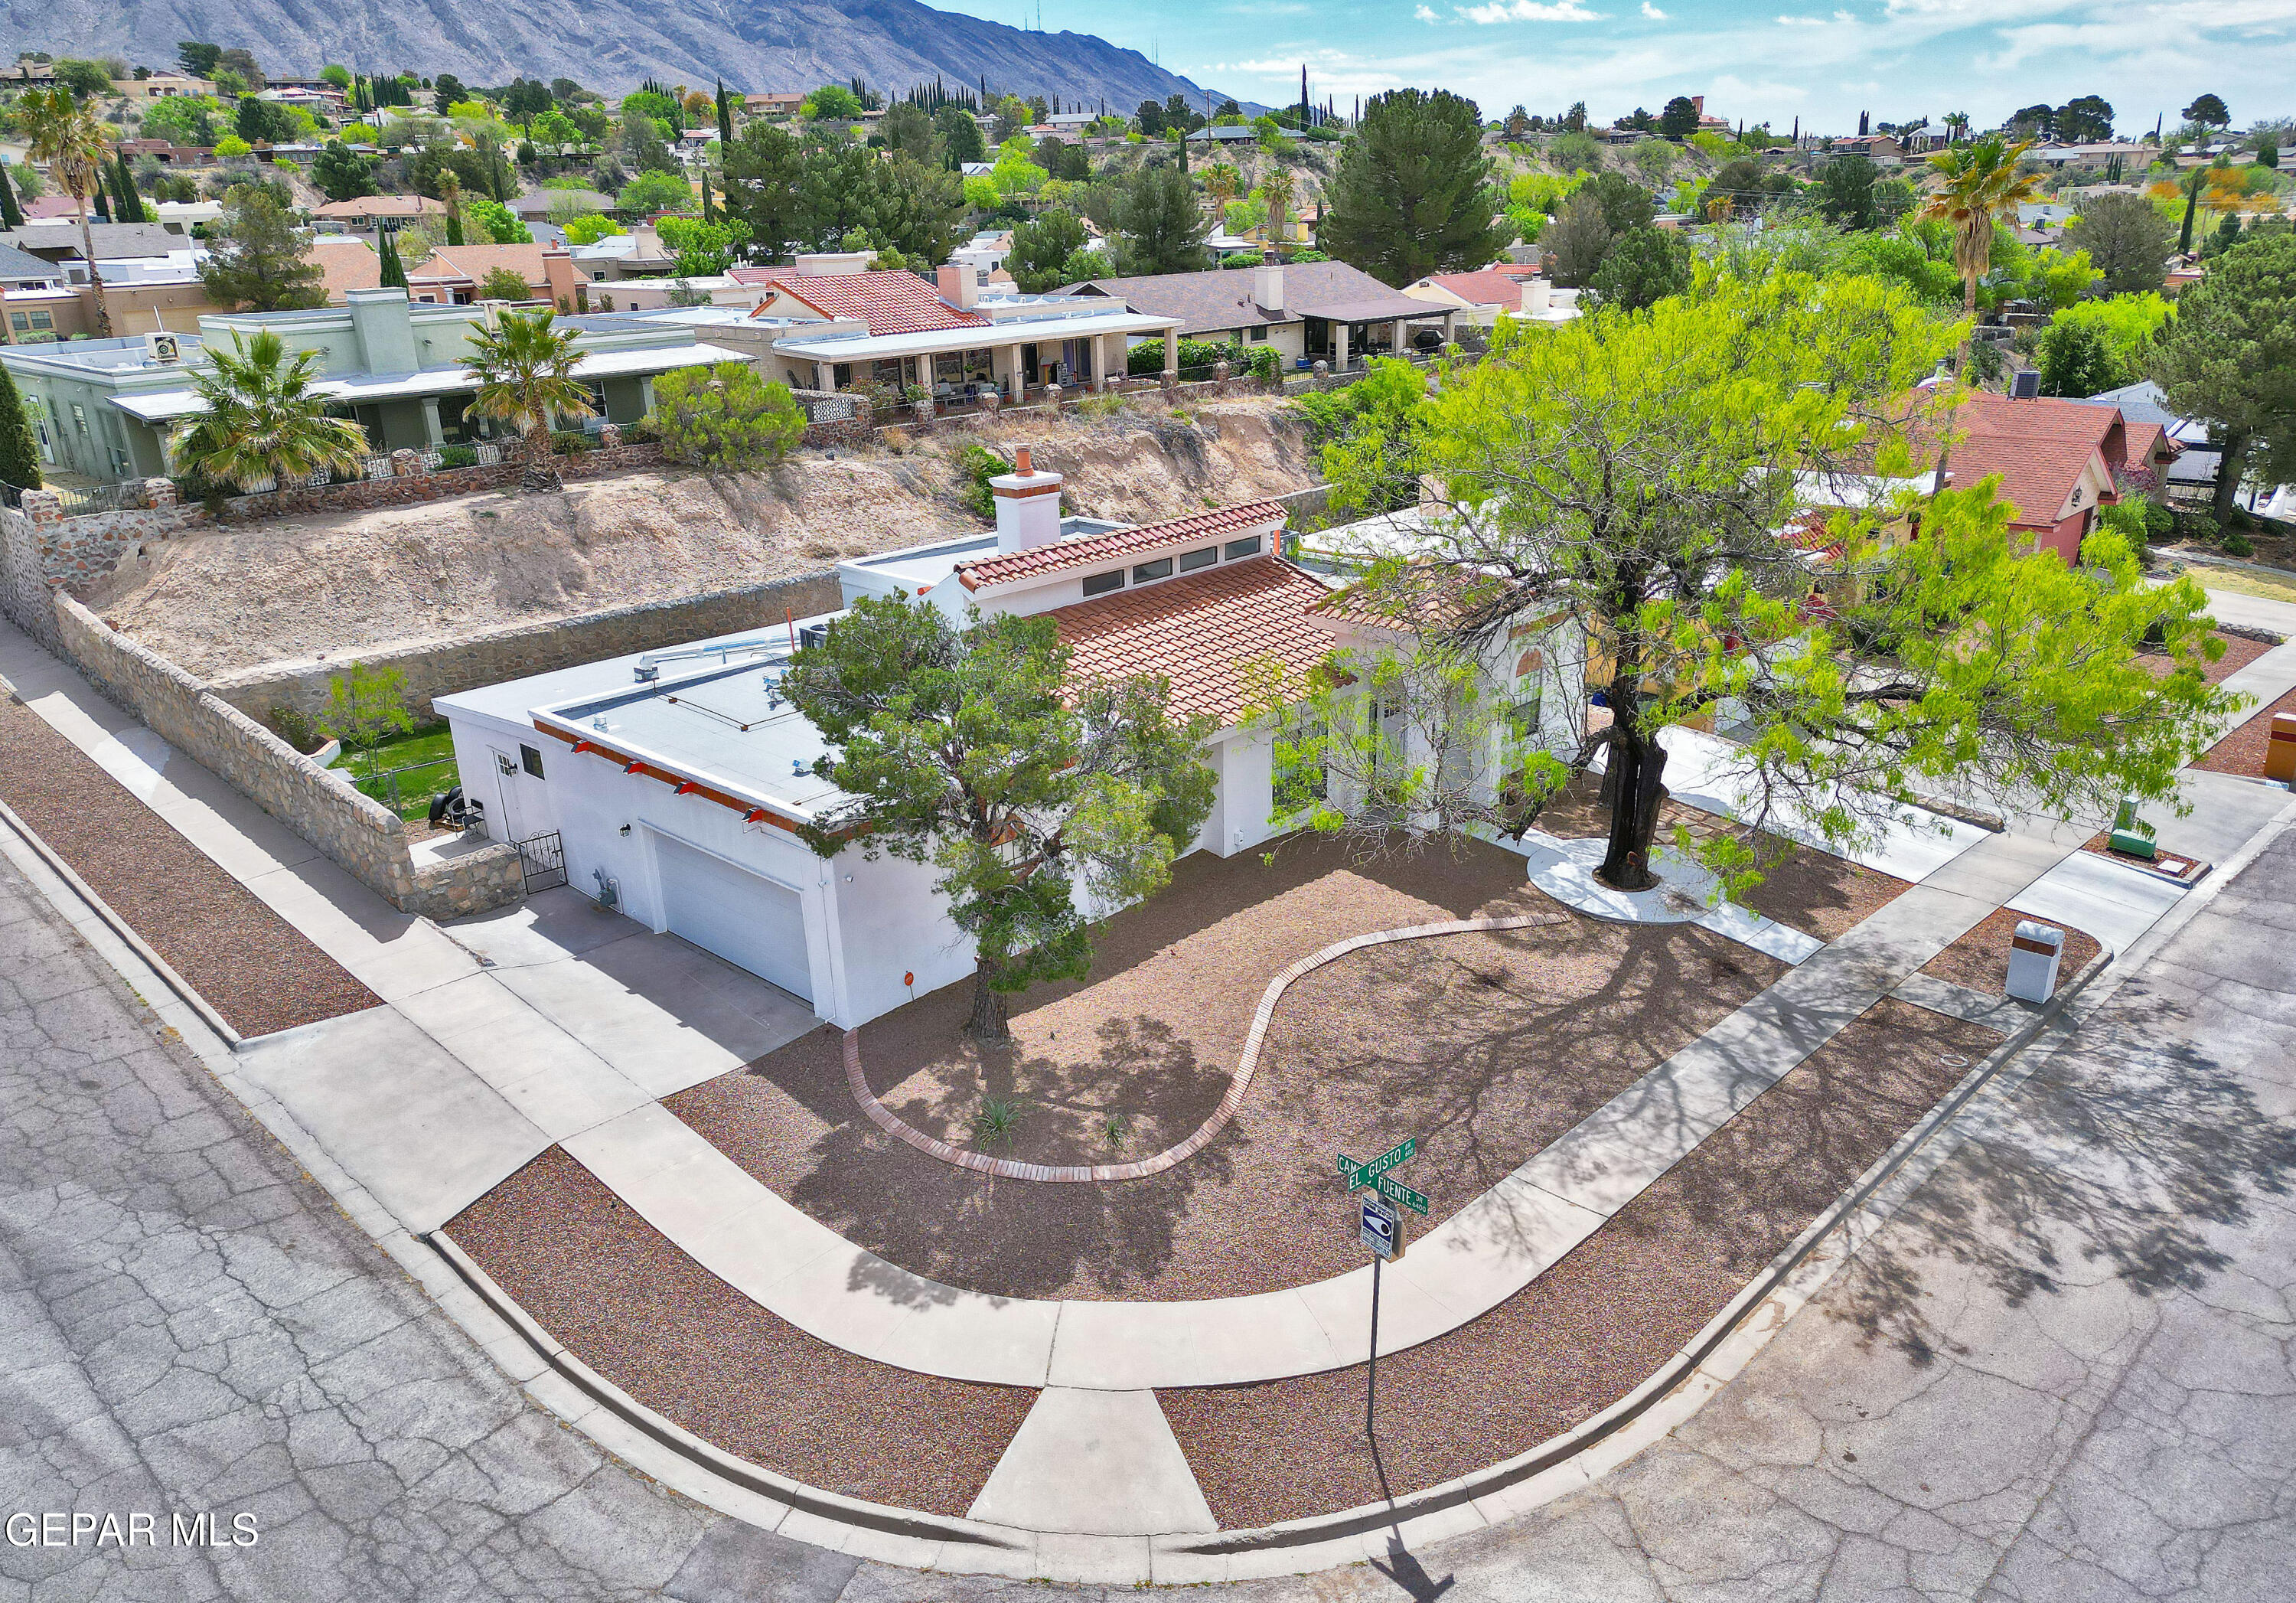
<point>2280,749</point>
<point>2034,954</point>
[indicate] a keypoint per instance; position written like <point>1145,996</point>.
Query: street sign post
<point>1380,1228</point>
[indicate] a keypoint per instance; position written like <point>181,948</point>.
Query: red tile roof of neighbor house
<point>890,303</point>
<point>474,262</point>
<point>1200,632</point>
<point>1099,548</point>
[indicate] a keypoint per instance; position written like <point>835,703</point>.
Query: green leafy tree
<point>498,222</point>
<point>1409,194</point>
<point>198,60</point>
<point>1845,190</point>
<point>1978,185</point>
<point>650,193</point>
<point>906,128</point>
<point>258,260</point>
<point>89,80</point>
<point>19,453</point>
<point>2127,238</point>
<point>341,173</point>
<point>1643,267</point>
<point>1367,433</point>
<point>831,101</point>
<point>554,131</point>
<point>704,249</point>
<point>262,121</point>
<point>2074,361</point>
<point>2229,355</point>
<point>960,136</point>
<point>2208,112</point>
<point>2085,120</point>
<point>725,418</point>
<point>365,707</point>
<point>1041,248</point>
<point>76,146</point>
<point>1679,120</point>
<point>639,143</point>
<point>504,283</point>
<point>524,368</point>
<point>181,120</point>
<point>1576,152</point>
<point>127,202</point>
<point>11,215</point>
<point>262,420</point>
<point>971,749</point>
<point>338,75</point>
<point>1630,484</point>
<point>1579,242</point>
<point>1158,228</point>
<point>2103,345</point>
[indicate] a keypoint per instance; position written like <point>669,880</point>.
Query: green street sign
<point>1395,1191</point>
<point>1359,1175</point>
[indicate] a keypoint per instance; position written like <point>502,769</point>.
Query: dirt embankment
<point>250,594</point>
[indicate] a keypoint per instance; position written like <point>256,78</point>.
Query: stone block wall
<point>445,666</point>
<point>362,836</point>
<point>24,589</point>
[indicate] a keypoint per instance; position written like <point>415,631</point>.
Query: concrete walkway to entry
<point>749,1237</point>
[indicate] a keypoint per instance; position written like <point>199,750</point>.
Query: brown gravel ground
<point>1603,1320</point>
<point>1814,891</point>
<point>2241,752</point>
<point>1980,960</point>
<point>678,1339</point>
<point>2239,651</point>
<point>253,966</point>
<point>1486,1047</point>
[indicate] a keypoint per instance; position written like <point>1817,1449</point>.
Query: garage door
<point>749,922</point>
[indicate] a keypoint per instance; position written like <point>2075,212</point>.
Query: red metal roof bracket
<point>684,786</point>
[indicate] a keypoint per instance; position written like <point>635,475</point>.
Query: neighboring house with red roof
<point>1480,295</point>
<point>2056,461</point>
<point>1308,311</point>
<point>843,324</point>
<point>454,274</point>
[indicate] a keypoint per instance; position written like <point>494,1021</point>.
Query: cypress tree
<point>102,197</point>
<point>131,200</point>
<point>725,115</point>
<point>11,215</point>
<point>394,275</point>
<point>19,457</point>
<point>707,211</point>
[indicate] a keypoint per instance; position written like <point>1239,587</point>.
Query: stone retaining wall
<point>366,838</point>
<point>441,668</point>
<point>24,589</point>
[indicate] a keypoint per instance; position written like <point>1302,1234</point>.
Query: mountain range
<point>611,45</point>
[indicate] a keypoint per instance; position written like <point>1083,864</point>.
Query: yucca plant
<point>525,370</point>
<point>262,419</point>
<point>998,1118</point>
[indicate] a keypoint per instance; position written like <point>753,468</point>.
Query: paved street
<point>2062,1373</point>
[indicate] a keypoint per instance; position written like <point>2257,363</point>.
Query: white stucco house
<point>675,780</point>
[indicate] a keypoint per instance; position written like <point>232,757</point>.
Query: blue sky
<point>1821,62</point>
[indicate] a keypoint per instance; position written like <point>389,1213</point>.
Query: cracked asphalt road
<point>2062,1372</point>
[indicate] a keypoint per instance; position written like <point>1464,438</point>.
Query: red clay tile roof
<point>890,303</point>
<point>1099,548</point>
<point>1200,631</point>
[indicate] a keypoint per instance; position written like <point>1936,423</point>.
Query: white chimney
<point>1537,295</point>
<point>1028,506</point>
<point>959,282</point>
<point>1268,285</point>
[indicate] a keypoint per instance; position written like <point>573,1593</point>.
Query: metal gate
<point>543,860</point>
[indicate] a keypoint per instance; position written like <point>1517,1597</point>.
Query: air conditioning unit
<point>163,348</point>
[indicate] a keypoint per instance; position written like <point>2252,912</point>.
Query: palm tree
<point>1980,183</point>
<point>75,145</point>
<point>263,421</point>
<point>525,370</point>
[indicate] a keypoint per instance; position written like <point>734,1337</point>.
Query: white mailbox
<point>2035,952</point>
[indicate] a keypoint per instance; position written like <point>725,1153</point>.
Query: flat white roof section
<point>1020,330</point>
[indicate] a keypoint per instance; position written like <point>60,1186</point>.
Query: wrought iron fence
<point>541,858</point>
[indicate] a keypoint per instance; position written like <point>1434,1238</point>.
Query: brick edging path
<point>894,1125</point>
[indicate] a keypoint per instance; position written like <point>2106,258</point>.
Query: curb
<point>716,1460</point>
<point>1664,1381</point>
<point>186,992</point>
<point>894,1125</point>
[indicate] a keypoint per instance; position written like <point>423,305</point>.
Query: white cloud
<point>1802,21</point>
<point>1652,11</point>
<point>1529,11</point>
<point>1425,14</point>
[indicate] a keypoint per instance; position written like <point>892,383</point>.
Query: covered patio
<point>960,365</point>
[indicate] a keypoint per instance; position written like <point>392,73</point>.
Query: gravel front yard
<point>678,1339</point>
<point>1487,1047</point>
<point>2241,752</point>
<point>1603,1319</point>
<point>1980,960</point>
<point>251,965</point>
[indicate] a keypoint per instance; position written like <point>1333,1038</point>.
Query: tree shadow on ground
<point>2126,1150</point>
